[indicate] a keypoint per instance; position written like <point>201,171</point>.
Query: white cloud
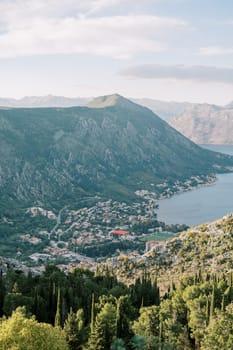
<point>181,72</point>
<point>215,51</point>
<point>15,13</point>
<point>115,36</point>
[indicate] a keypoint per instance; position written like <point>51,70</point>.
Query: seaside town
<point>106,229</point>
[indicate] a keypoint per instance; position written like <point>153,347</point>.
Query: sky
<point>172,50</point>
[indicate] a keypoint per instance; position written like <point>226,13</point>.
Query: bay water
<point>201,205</point>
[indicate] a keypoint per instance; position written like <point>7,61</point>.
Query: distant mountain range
<point>206,124</point>
<point>56,156</point>
<point>165,109</point>
<point>202,123</point>
<point>43,101</point>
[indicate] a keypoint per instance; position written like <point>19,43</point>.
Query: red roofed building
<point>119,232</point>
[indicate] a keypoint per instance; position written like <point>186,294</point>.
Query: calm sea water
<point>201,205</point>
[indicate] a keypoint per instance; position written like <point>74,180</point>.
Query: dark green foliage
<point>219,333</point>
<point>2,293</point>
<point>125,312</point>
<point>145,292</point>
<point>92,324</point>
<point>195,314</point>
<point>138,342</point>
<point>13,300</point>
<point>57,321</point>
<point>104,330</point>
<point>74,329</point>
<point>118,344</point>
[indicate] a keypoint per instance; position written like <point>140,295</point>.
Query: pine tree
<point>73,329</point>
<point>104,330</point>
<point>207,311</point>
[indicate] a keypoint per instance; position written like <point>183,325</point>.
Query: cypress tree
<point>57,321</point>
<point>160,334</point>
<point>207,311</point>
<point>92,312</point>
<point>223,303</point>
<point>2,292</point>
<point>118,319</point>
<point>35,303</point>
<point>142,302</point>
<point>231,279</point>
<point>212,302</point>
<point>123,329</point>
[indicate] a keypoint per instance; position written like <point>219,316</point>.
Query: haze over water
<point>205,204</point>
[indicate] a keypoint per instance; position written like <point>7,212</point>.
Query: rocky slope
<point>165,109</point>
<point>55,155</point>
<point>206,124</point>
<point>207,248</point>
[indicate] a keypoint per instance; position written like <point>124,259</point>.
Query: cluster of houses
<point>105,221</point>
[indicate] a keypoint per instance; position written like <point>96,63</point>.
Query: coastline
<point>195,207</point>
<point>186,187</point>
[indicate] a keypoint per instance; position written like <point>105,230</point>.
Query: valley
<point>87,234</point>
<point>80,228</point>
<point>71,176</point>
<point>116,175</point>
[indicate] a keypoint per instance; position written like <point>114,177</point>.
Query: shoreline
<point>197,207</point>
<point>186,187</point>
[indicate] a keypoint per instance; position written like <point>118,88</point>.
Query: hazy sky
<point>163,49</point>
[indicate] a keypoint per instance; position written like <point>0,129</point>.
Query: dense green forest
<point>86,310</point>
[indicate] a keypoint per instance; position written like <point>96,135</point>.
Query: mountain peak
<point>229,105</point>
<point>110,101</point>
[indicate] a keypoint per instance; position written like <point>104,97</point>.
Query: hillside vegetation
<point>207,248</point>
<point>179,296</point>
<point>56,156</point>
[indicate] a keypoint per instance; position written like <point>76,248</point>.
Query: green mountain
<point>110,101</point>
<point>58,155</point>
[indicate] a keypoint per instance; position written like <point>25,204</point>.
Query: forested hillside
<point>83,310</point>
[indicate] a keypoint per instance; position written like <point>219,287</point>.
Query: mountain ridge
<point>43,101</point>
<point>110,101</point>
<point>51,154</point>
<point>205,124</point>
